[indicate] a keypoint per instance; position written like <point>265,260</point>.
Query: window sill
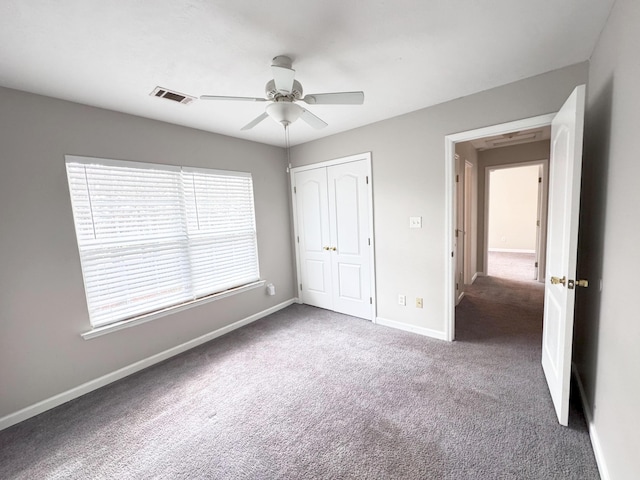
<point>132,322</point>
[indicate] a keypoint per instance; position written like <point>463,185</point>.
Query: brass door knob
<point>558,280</point>
<point>582,283</point>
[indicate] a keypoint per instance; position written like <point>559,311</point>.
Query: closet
<point>334,235</point>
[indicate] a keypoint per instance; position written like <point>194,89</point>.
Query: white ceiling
<point>404,54</point>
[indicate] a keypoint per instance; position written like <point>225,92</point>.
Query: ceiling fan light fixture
<point>284,113</point>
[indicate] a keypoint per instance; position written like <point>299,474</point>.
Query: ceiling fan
<point>284,91</point>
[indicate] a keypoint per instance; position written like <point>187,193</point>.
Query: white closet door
<point>314,238</point>
<point>349,229</point>
<point>334,244</point>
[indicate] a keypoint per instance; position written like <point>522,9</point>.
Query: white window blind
<point>154,236</point>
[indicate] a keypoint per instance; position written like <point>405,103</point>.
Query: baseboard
<point>473,279</point>
<point>511,250</point>
<point>593,433</point>
<point>91,385</point>
<point>427,332</point>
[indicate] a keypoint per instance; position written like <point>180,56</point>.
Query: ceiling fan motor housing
<point>273,94</point>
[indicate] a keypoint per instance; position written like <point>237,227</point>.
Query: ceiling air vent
<point>171,95</point>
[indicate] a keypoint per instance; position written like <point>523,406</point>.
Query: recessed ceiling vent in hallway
<point>171,95</point>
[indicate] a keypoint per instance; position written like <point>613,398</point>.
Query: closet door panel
<point>314,237</point>
<point>349,228</point>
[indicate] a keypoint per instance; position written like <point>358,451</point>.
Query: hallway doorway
<point>462,149</point>
<point>515,198</point>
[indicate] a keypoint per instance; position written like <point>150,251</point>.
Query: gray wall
<point>607,329</point>
<point>42,304</point>
<point>408,180</point>
<point>502,156</point>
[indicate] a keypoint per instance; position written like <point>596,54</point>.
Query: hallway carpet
<point>516,266</point>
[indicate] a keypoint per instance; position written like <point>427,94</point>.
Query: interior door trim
<point>450,202</point>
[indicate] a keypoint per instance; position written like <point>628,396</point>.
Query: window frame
<point>102,326</point>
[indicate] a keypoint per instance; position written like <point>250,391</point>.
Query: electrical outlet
<point>402,300</point>
<point>419,302</point>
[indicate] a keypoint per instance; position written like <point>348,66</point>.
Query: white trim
<point>475,276</point>
<point>593,433</point>
<point>427,332</point>
<point>91,385</point>
<point>338,161</point>
<point>132,322</point>
<point>511,250</point>
<point>372,246</point>
<point>335,161</point>
<point>449,201</point>
<point>507,127</point>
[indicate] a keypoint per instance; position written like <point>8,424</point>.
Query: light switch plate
<point>415,222</point>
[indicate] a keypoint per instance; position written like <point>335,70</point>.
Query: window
<point>155,236</point>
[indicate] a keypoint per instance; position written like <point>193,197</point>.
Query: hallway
<point>504,318</point>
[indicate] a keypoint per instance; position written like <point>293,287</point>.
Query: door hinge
<point>367,179</point>
<point>370,300</point>
<point>539,179</point>
<point>300,286</point>
<point>456,285</point>
<point>536,264</point>
<point>298,238</point>
<point>369,241</point>
<point>451,254</point>
<point>457,178</point>
<point>456,233</point>
<point>537,223</point>
<point>295,190</point>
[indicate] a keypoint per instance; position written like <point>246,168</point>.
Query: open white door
<point>562,242</point>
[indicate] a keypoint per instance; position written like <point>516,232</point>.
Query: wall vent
<point>172,95</point>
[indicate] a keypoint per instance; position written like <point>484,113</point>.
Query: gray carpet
<point>307,393</point>
<point>517,266</point>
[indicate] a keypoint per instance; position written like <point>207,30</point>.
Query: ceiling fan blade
<point>239,99</point>
<point>283,78</point>
<point>255,121</point>
<point>338,98</point>
<point>312,120</point>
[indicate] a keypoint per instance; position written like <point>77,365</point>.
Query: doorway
<point>515,218</point>
<point>451,206</point>
<point>565,163</point>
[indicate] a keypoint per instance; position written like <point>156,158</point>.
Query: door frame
<point>468,271</point>
<point>542,202</point>
<point>450,201</point>
<point>328,163</point>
